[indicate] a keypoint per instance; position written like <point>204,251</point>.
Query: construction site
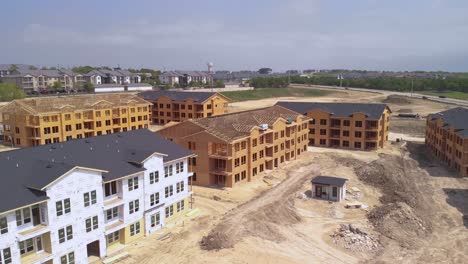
<point>402,205</point>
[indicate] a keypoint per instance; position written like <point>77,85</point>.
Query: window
<point>89,198</point>
<point>169,211</point>
<point>98,124</point>
<point>358,134</point>
<point>46,130</point>
<point>236,162</point>
<point>154,199</point>
<point>6,256</point>
<point>78,116</point>
<point>261,153</point>
<point>112,213</point>
<point>65,234</point>
<point>92,223</point>
<point>323,122</point>
<point>154,177</point>
<point>357,145</point>
<point>63,206</point>
<point>23,216</point>
<point>133,184</point>
<point>169,191</point>
<point>3,225</point>
<point>243,175</point>
<point>243,160</point>
<point>254,171</point>
<point>68,258</point>
<point>155,219</point>
<point>345,133</point>
<point>110,188</point>
<point>179,167</point>
<point>68,128</point>
<point>346,123</point>
<point>170,170</point>
<point>180,187</point>
<point>135,229</point>
<point>108,122</point>
<point>254,157</point>
<point>134,206</point>
<point>55,129</point>
<point>323,142</point>
<point>358,124</point>
<point>323,132</point>
<point>26,246</point>
<point>243,145</point>
<point>345,143</point>
<point>113,237</point>
<point>180,206</point>
<point>254,142</point>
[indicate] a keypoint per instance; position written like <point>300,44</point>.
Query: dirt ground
<point>416,209</point>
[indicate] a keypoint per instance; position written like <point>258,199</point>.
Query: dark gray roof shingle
<point>456,117</point>
<point>328,180</point>
<point>120,154</point>
<point>373,111</point>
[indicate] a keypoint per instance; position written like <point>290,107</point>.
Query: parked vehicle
<point>442,96</point>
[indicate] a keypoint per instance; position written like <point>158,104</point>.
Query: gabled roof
<point>342,110</point>
<point>328,180</point>
<point>25,171</point>
<point>455,117</point>
<point>51,104</point>
<point>230,127</point>
<point>178,96</point>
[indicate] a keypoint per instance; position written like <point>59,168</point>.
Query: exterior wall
<point>166,110</point>
<point>371,137</point>
<point>32,129</point>
<point>80,181</point>
<point>446,145</point>
<point>328,190</point>
<point>230,163</point>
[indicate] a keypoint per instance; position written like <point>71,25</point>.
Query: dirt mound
<point>262,217</point>
<point>396,99</point>
<point>405,211</point>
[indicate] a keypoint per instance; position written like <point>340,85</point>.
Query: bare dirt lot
<point>416,211</point>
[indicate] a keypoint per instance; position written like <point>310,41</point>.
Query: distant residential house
<point>184,78</point>
<point>116,76</point>
<point>5,69</point>
<point>36,80</point>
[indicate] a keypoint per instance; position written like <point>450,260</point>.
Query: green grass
<point>448,94</point>
<point>262,93</point>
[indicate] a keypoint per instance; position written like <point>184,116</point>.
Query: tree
<point>13,68</point>
<point>265,70</point>
<point>10,92</point>
<point>88,86</point>
<point>32,67</point>
<point>83,69</point>
<point>219,84</point>
<point>57,85</point>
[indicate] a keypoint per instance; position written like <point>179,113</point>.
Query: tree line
<point>384,83</point>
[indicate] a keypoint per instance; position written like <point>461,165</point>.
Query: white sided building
<point>70,201</point>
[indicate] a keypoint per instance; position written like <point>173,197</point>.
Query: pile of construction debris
<point>354,239</point>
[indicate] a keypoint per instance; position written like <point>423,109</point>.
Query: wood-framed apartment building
<point>236,147</point>
<point>46,120</point>
<point>359,126</point>
<point>178,106</point>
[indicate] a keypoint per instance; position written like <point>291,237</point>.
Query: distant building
<point>116,76</point>
<point>345,125</point>
<point>237,147</point>
<point>114,87</point>
<point>179,106</point>
<point>45,120</point>
<point>36,80</point>
<point>447,138</point>
<point>184,78</point>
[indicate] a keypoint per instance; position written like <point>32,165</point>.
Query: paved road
<point>414,95</point>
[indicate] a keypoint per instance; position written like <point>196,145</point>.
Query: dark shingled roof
<point>455,117</point>
<point>25,170</point>
<point>177,96</point>
<point>328,180</point>
<point>373,111</point>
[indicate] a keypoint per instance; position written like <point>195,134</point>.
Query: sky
<point>237,35</point>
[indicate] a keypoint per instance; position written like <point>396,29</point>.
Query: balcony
<point>36,249</point>
<point>220,171</point>
<point>32,122</point>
